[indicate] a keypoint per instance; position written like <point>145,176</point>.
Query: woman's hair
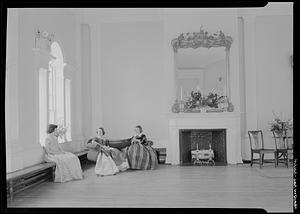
<point>51,128</point>
<point>140,128</point>
<point>102,129</point>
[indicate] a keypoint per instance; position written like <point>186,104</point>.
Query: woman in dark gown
<point>140,154</point>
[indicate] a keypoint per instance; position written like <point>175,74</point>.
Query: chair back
<point>256,139</point>
<point>290,143</point>
<point>119,144</point>
<point>283,140</point>
<point>290,139</point>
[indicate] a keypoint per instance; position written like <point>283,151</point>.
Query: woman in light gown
<point>140,154</point>
<point>109,161</point>
<point>67,164</point>
<point>100,143</point>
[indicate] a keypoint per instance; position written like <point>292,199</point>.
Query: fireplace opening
<point>202,139</point>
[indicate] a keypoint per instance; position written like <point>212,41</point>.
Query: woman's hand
<point>57,153</point>
<point>132,140</point>
<point>135,141</point>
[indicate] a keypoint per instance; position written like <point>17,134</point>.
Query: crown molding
<point>271,9</point>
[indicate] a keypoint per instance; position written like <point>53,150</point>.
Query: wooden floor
<point>232,186</point>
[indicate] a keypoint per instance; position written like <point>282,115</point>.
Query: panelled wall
<point>136,66</point>
<point>137,78</point>
<point>21,102</point>
<point>267,35</point>
<point>122,70</point>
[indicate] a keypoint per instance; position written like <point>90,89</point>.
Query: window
<point>68,107</point>
<point>55,96</point>
<point>43,104</point>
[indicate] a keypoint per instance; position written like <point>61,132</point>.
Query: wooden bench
<point>30,176</point>
<point>22,179</point>
<point>161,155</point>
<point>82,156</point>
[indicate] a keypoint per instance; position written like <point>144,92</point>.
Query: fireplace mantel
<point>220,120</point>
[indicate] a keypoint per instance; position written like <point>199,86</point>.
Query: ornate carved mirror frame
<point>204,39</point>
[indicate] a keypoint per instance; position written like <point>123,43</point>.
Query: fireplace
<point>202,139</point>
<point>229,121</point>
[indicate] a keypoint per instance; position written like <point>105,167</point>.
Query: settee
<point>93,149</point>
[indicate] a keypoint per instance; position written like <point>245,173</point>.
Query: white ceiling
<point>88,14</point>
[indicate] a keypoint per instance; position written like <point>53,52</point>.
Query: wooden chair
<point>257,146</point>
<point>284,147</point>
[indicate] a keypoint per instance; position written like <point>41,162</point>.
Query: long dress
<point>105,164</point>
<point>141,155</point>
<point>67,164</point>
<point>119,157</point>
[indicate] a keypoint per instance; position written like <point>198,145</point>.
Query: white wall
<point>134,71</point>
<point>243,122</point>
<point>11,89</point>
<point>86,80</point>
<point>133,82</point>
<point>23,148</point>
<point>274,46</point>
<point>258,63</point>
<point>131,79</point>
<point>268,86</point>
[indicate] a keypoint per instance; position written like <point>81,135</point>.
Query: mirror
<point>201,69</point>
<point>201,62</point>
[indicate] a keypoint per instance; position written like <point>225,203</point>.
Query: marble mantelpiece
<point>220,120</point>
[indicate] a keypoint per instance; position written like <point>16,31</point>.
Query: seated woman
<point>67,164</point>
<point>99,144</point>
<point>140,154</point>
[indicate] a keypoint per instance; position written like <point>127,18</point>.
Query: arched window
<point>56,108</point>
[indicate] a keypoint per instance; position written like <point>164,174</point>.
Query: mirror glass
<point>200,69</point>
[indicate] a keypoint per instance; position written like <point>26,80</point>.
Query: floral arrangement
<point>280,126</point>
<point>197,100</point>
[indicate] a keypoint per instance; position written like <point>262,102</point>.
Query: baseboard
<point>265,160</point>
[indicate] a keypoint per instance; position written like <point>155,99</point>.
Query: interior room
<point>206,86</point>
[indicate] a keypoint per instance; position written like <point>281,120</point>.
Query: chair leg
<point>284,159</point>
<point>275,159</point>
<point>262,157</point>
<point>260,160</point>
<point>251,159</point>
<point>287,160</point>
<point>290,160</point>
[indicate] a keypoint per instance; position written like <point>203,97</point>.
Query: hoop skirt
<point>105,165</point>
<point>141,156</point>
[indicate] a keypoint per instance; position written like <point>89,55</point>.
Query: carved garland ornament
<point>201,39</point>
<point>44,35</point>
<point>43,40</point>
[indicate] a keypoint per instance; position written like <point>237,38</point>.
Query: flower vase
<point>181,106</point>
<point>279,133</point>
<point>230,107</point>
<point>176,107</point>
